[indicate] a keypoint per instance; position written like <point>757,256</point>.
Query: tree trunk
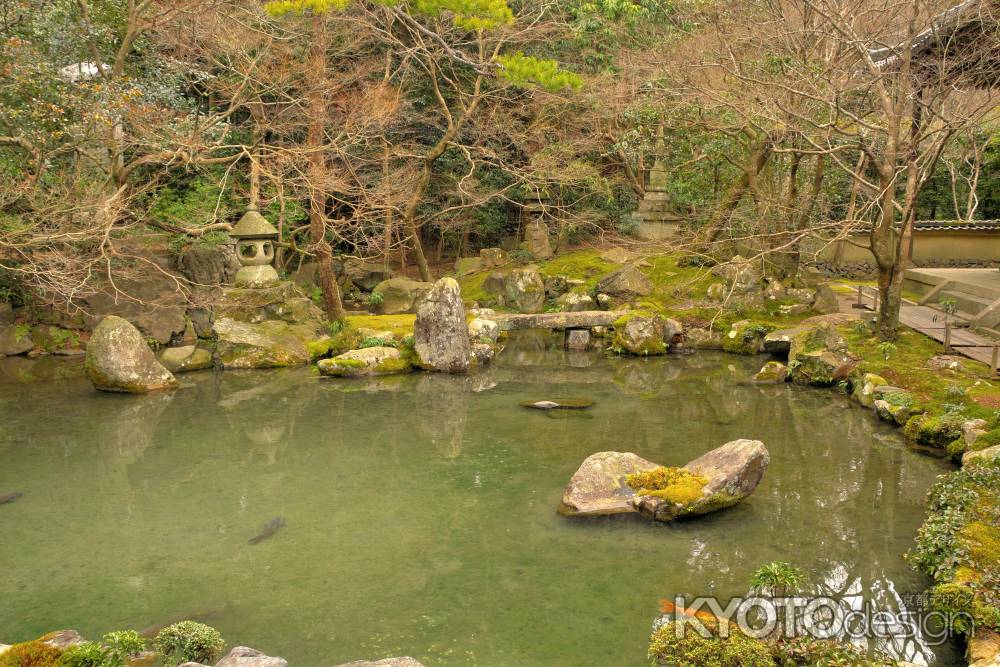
<point>332,302</point>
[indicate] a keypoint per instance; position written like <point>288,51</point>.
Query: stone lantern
<point>255,241</point>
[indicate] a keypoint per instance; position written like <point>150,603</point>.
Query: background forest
<point>410,132</point>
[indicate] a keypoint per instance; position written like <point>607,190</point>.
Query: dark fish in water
<point>270,528</point>
<point>10,497</point>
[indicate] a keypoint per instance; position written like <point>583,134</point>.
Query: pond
<point>420,511</point>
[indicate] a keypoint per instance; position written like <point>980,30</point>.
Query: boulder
<point>495,283</point>
<point>482,353</point>
<point>385,662</point>
<point>209,265</point>
<point>982,456</point>
<point>616,255</point>
<point>598,487</point>
<point>699,338</point>
<point>555,286</point>
<point>536,240</point>
<point>578,340</point>
<point>826,300</point>
<point>984,649</point>
<point>242,656</point>
<point>465,266</point>
<point>818,356</point>
<point>741,275</point>
<point>119,360</point>
<point>440,332</point>
<point>400,295</point>
<point>864,391</point>
<point>644,333</point>
<point>779,342</point>
<point>745,337</point>
<point>524,290</point>
<point>269,344</point>
<point>716,292</point>
<point>894,413</point>
<point>492,258</point>
<point>266,328</point>
<point>626,283</point>
<point>972,429</point>
<point>732,472</point>
<point>574,302</point>
<point>774,290</point>
<point>365,275</point>
<point>63,639</point>
<point>14,340</point>
<point>186,358</point>
<point>368,361</point>
<point>483,330</point>
<point>773,372</point>
<point>800,296</point>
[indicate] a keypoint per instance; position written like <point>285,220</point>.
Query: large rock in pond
<point>400,295</point>
<point>243,656</point>
<point>441,335</point>
<point>731,473</point>
<point>625,283</point>
<point>270,344</point>
<point>644,333</point>
<point>369,361</point>
<point>819,356</point>
<point>265,328</point>
<point>524,290</point>
<point>598,487</point>
<point>773,372</point>
<point>119,360</point>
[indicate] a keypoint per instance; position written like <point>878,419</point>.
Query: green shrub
<point>934,430</point>
<point>815,652</point>
<point>113,650</point>
<point>693,650</point>
<point>776,578</point>
<point>35,653</point>
<point>189,641</point>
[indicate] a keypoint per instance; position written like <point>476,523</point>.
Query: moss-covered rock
<point>186,358</point>
<point>524,290</point>
<point>270,344</point>
<point>366,362</point>
<point>399,295</point>
<point>933,430</point>
<point>119,360</point>
<point>721,478</point>
<point>773,372</point>
<point>864,389</point>
<point>818,356</point>
<point>746,337</point>
<point>644,333</point>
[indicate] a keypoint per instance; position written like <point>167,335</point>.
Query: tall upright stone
<point>440,332</point>
<point>119,360</point>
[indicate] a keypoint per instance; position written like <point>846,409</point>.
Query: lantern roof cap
<point>253,225</point>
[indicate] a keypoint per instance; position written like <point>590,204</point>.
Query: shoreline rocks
<point>119,360</point>
<point>366,362</point>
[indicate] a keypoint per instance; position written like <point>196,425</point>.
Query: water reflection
<point>420,508</point>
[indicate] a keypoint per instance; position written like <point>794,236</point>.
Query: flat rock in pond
<point>560,404</point>
<point>732,472</point>
<point>598,487</point>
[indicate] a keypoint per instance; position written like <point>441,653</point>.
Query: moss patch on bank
<point>959,546</point>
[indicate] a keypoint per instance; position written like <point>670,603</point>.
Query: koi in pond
<point>270,528</point>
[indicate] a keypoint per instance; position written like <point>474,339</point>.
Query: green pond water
<point>421,510</point>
